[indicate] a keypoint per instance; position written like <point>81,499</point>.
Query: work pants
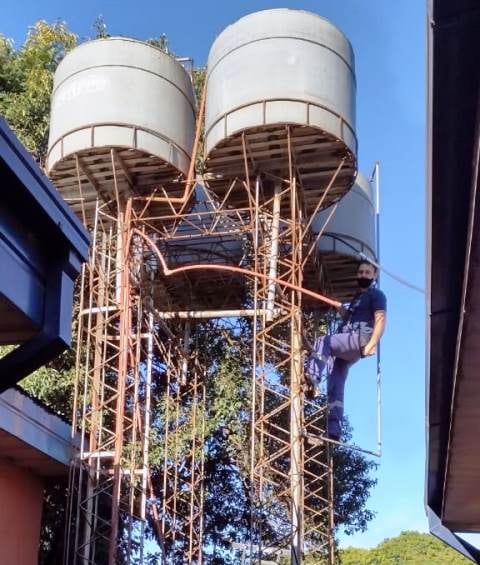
<point>345,349</point>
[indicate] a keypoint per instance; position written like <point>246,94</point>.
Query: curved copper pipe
<point>207,267</point>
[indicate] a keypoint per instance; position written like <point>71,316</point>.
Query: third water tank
<point>350,231</point>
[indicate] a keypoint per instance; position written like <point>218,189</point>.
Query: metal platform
<point>200,290</point>
<point>83,176</point>
<point>315,158</point>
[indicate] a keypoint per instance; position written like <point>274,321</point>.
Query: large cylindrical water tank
<point>123,94</point>
<point>349,232</point>
<point>273,68</point>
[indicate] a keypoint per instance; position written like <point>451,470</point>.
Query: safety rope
<point>362,256</point>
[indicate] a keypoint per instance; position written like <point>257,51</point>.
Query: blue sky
<point>389,42</point>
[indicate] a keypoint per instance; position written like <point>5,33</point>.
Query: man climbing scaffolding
<point>362,326</point>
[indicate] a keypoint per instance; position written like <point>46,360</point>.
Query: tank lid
<point>281,22</point>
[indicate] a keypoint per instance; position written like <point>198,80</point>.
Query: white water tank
<point>275,68</point>
<point>126,95</point>
<point>349,232</point>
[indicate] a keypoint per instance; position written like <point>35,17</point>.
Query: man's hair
<point>366,262</point>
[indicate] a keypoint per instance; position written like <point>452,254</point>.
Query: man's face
<point>365,275</point>
<point>367,271</point>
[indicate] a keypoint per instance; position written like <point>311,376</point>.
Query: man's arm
<point>380,320</point>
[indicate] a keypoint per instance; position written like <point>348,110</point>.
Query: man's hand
<point>378,327</point>
<point>369,350</point>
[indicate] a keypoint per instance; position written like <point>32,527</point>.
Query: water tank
<point>270,69</point>
<point>125,95</point>
<point>350,231</point>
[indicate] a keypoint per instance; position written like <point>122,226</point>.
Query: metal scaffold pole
<point>112,400</point>
<point>296,374</point>
<point>291,482</point>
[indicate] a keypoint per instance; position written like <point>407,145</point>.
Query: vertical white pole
<point>274,250</point>
<point>186,351</point>
<point>379,371</point>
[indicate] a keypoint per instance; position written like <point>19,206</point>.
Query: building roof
<point>453,250</point>
<point>42,246</point>
<point>33,437</point>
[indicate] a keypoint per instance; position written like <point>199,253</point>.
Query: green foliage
<point>26,79</point>
<point>53,384</point>
<point>10,78</point>
<point>199,77</point>
<point>409,547</point>
<point>100,28</point>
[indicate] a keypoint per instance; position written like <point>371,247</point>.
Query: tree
<point>26,80</point>
<point>226,479</point>
<point>408,547</point>
<point>100,28</point>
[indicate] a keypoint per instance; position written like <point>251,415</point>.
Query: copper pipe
<point>198,267</point>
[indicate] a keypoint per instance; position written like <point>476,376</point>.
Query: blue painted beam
<point>42,247</point>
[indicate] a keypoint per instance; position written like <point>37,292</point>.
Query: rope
<point>362,256</point>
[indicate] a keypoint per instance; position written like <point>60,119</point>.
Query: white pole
<point>379,370</point>
<point>146,431</point>
<point>208,314</point>
<point>274,250</point>
<point>186,351</point>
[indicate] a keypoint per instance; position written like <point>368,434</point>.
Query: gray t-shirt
<point>362,310</point>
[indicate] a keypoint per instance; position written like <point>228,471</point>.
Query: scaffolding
<point>108,479</point>
<point>167,270</point>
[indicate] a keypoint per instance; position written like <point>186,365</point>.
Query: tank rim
<point>126,39</point>
<point>285,9</point>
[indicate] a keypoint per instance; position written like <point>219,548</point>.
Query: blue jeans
<point>345,349</point>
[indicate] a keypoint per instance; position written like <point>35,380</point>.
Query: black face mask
<point>363,282</point>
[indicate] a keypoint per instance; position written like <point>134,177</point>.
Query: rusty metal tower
<point>174,256</point>
<point>280,144</point>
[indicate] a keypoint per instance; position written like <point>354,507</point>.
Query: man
<point>363,323</point>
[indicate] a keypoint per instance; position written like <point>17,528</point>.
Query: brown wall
<point>21,496</point>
